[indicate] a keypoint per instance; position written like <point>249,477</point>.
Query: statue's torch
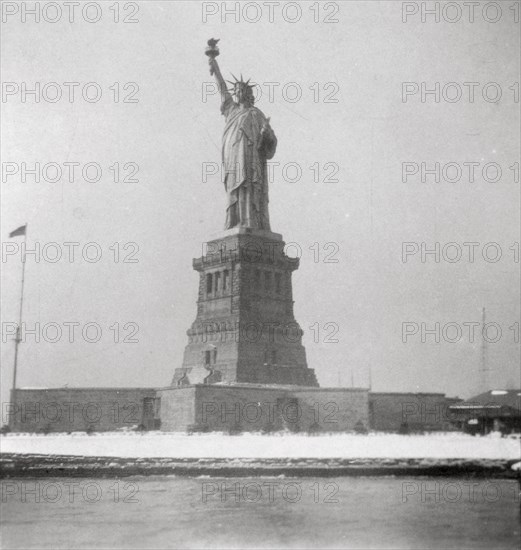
<point>212,51</point>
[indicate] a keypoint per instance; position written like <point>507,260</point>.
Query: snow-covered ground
<point>175,445</point>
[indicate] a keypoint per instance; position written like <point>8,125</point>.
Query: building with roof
<point>494,410</point>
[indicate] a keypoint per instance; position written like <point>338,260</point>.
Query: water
<point>169,512</point>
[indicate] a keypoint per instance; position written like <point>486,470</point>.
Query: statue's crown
<point>241,83</point>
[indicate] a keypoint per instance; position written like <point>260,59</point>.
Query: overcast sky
<point>368,213</point>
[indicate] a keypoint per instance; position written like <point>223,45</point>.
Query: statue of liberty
<point>248,142</point>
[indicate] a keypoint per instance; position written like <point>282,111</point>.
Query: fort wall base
<point>231,408</point>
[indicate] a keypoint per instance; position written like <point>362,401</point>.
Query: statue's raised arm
<point>212,51</point>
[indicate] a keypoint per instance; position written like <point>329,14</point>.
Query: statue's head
<point>243,91</point>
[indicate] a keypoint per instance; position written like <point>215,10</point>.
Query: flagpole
<point>19,328</point>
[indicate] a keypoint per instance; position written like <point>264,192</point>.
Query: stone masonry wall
<point>394,412</point>
<point>334,409</point>
<point>76,409</point>
<point>228,408</point>
<point>265,408</point>
<point>177,408</point>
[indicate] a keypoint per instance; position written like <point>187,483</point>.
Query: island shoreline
<point>16,465</point>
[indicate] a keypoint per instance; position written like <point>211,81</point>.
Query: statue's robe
<point>244,154</point>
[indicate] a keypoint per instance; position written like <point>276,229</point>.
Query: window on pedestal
<point>226,278</point>
<point>257,280</point>
<point>209,283</point>
<point>267,281</point>
<point>217,277</point>
<point>210,357</point>
<point>278,281</point>
<point>157,407</point>
<point>270,357</point>
<point>148,407</point>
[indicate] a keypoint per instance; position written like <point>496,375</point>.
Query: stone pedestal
<point>245,330</point>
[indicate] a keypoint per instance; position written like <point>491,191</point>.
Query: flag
<point>19,231</point>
